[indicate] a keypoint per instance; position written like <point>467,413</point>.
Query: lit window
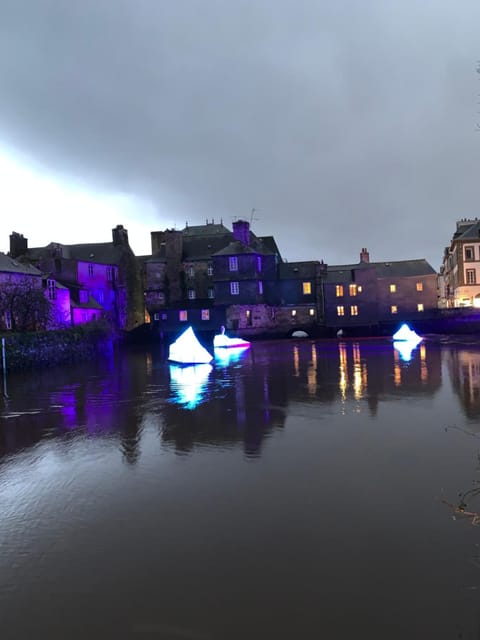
<point>352,289</point>
<point>182,316</point>
<point>259,263</point>
<point>340,311</point>
<point>420,307</point>
<point>234,288</point>
<point>354,310</point>
<point>393,288</point>
<point>52,289</point>
<point>394,308</point>
<point>339,290</point>
<point>359,288</point>
<point>307,288</point>
<point>311,312</point>
<point>211,292</point>
<point>190,271</point>
<point>233,263</point>
<point>191,294</point>
<point>90,270</point>
<point>294,313</point>
<point>419,286</point>
<point>210,270</point>
<point>469,253</point>
<point>156,316</point>
<point>471,278</point>
<point>260,287</point>
<point>205,314</point>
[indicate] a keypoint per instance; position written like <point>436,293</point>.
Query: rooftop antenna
<point>252,214</point>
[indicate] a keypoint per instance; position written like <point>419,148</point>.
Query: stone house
<point>103,278</point>
<point>459,279</point>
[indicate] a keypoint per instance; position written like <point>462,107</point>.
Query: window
<point>211,292</point>
<point>340,311</point>
<point>311,312</point>
<point>248,316</point>
<point>307,288</point>
<point>393,288</point>
<point>354,310</point>
<point>234,288</point>
<point>419,286</point>
<point>182,315</point>
<point>359,288</point>
<point>420,307</point>
<point>164,316</point>
<point>469,253</point>
<point>339,290</point>
<point>260,287</point>
<point>210,270</point>
<point>233,263</point>
<point>190,271</point>
<point>205,314</point>
<point>83,296</point>
<point>156,316</point>
<point>393,308</point>
<point>294,313</point>
<point>191,294</point>
<point>109,273</point>
<point>352,289</point>
<point>471,277</point>
<point>90,270</point>
<point>259,263</point>
<point>8,320</point>
<point>100,296</point>
<point>52,289</point>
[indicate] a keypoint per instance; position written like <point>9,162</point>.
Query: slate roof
<point>467,230</point>
<point>394,269</point>
<point>294,270</point>
<point>9,265</point>
<point>99,252</point>
<point>235,248</point>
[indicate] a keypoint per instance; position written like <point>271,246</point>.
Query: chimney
<point>18,245</point>
<point>241,231</point>
<point>120,235</point>
<point>364,255</point>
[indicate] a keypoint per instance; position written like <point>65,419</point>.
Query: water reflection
<point>464,368</point>
<point>188,383</point>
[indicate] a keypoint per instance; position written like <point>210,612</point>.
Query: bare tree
<point>24,303</point>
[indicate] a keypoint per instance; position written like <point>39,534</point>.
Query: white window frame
<point>233,263</point>
<point>234,288</point>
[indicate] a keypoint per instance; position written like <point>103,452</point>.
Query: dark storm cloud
<point>345,124</point>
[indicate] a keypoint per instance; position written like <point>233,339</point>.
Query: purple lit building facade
<point>103,279</point>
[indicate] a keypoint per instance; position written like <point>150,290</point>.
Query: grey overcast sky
<point>343,123</point>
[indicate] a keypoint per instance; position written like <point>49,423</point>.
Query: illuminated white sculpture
<point>223,341</point>
<point>187,349</point>
<point>407,334</point>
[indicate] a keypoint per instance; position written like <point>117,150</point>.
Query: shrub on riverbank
<point>47,348</point>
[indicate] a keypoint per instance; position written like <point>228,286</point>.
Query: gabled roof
<point>9,265</point>
<point>235,248</point>
<point>467,230</point>
<point>209,229</point>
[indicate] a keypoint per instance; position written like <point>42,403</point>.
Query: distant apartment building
<point>459,278</point>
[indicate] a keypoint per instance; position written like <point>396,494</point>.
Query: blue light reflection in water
<point>188,384</point>
<point>405,348</point>
<point>225,357</point>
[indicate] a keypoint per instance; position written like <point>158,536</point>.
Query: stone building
<point>459,279</point>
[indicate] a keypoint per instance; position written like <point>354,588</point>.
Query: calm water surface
<point>295,490</point>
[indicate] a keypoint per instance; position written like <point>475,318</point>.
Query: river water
<point>298,489</point>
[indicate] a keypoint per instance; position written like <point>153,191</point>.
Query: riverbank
<point>50,348</point>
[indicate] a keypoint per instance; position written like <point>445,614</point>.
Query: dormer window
<point>233,263</point>
<point>52,289</point>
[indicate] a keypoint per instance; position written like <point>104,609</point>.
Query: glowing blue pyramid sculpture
<point>188,350</point>
<point>407,334</point>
